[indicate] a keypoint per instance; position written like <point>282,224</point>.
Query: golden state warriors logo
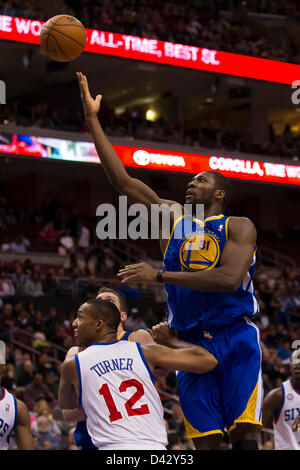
<point>199,251</point>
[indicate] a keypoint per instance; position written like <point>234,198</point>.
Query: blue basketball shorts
<point>232,393</point>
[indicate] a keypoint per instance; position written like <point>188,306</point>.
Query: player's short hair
<point>106,311</point>
<point>221,182</point>
<point>122,301</point>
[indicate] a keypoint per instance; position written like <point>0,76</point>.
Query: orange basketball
<point>63,38</point>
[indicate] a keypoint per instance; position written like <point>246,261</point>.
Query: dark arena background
<point>187,86</point>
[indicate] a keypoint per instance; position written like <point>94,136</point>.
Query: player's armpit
<point>68,384</point>
<point>191,358</point>
<point>23,435</point>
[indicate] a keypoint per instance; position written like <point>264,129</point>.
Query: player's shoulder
<point>240,226</point>
<point>141,336</point>
<point>71,353</point>
<point>275,396</point>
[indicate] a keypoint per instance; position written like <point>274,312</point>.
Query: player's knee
<point>208,442</point>
<point>245,444</point>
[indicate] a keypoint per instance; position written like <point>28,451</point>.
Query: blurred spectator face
<point>41,408</point>
<point>43,358</point>
<point>38,379</point>
<point>7,310</point>
<point>18,355</point>
<point>26,357</point>
<point>28,366</point>
<point>43,424</point>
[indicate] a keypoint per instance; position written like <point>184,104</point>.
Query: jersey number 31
<point>114,413</point>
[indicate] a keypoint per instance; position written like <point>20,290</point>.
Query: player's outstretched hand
<point>163,334</point>
<point>296,424</point>
<point>138,272</point>
<point>91,107</point>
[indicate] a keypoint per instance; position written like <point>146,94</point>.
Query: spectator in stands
<point>66,243</point>
<point>48,233</point>
<point>44,364</point>
<point>6,321</point>
<point>20,245</point>
<point>92,287</point>
<point>83,236</point>
<point>28,267</point>
<point>23,319</point>
<point>7,288</point>
<point>47,439</point>
<point>33,286</point>
<point>19,280</point>
<point>50,284</point>
<point>37,322</point>
<point>134,321</point>
<point>9,381</point>
<point>25,373</point>
<point>36,390</point>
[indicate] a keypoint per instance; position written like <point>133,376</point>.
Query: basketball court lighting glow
<point>151,115</point>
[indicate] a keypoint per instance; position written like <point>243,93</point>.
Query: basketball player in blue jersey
<point>14,417</point>
<point>82,438</point>
<point>210,296</point>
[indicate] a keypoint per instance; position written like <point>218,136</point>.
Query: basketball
<point>63,38</point>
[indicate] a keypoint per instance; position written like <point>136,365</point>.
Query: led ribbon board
<point>152,159</point>
<point>161,52</point>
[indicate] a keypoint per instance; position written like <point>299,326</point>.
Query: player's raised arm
<point>134,189</point>
<point>23,435</point>
<point>177,354</point>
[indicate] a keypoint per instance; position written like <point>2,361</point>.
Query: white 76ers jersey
<point>117,393</point>
<point>284,437</point>
<point>8,416</point>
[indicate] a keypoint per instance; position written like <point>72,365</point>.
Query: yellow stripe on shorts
<point>252,412</point>
<point>193,433</point>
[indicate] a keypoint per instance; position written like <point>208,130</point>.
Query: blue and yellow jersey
<point>196,249</point>
<point>125,336</point>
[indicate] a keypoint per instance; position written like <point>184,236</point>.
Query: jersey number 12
<point>114,413</point>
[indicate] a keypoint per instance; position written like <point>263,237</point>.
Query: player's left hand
<point>296,424</point>
<point>142,272</point>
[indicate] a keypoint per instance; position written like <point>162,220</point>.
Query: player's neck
<point>212,211</point>
<point>120,330</point>
<point>109,337</point>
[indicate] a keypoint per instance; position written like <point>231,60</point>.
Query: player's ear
<point>219,194</point>
<point>100,324</point>
<point>123,316</point>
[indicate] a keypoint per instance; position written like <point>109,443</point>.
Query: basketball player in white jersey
<point>139,336</point>
<point>283,404</point>
<point>114,383</point>
<point>14,416</point>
